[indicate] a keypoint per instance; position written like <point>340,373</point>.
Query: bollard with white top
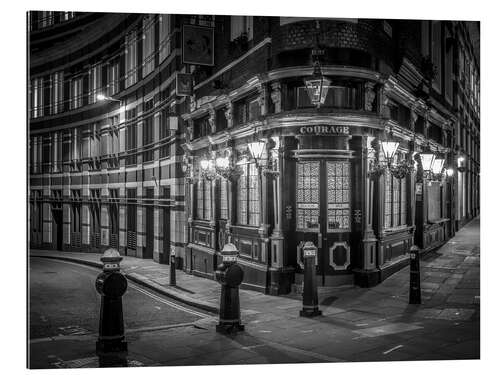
<point>415,295</point>
<point>111,284</point>
<point>172,267</point>
<point>230,275</point>
<point>310,293</point>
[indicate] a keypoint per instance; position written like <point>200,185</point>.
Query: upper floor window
<point>436,53</point>
<point>37,97</point>
<point>76,93</point>
<point>246,110</point>
<point>95,79</point>
<point>131,59</point>
<point>336,97</point>
<point>201,127</point>
<point>47,19</point>
<point>164,35</point>
<point>241,26</point>
<point>148,45</point>
<point>66,16</point>
<point>113,78</point>
<point>57,92</point>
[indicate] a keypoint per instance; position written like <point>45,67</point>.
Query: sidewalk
<point>357,324</point>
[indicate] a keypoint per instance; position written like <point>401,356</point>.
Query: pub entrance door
<point>323,205</point>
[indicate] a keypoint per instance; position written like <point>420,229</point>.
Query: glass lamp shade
<point>256,149</point>
<point>427,160</point>
<point>317,88</point>
<point>204,164</point>
<point>437,166</point>
<point>389,149</point>
<point>222,162</point>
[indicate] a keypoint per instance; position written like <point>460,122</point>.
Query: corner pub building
<point>359,135</point>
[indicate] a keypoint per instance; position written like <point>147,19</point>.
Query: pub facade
<point>274,162</point>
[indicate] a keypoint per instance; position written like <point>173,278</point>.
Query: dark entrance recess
<point>148,250</point>
<point>165,246</point>
<point>57,220</point>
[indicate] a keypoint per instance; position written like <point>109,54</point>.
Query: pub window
<point>248,200</point>
<point>246,110</point>
<point>339,187</point>
<point>434,196</point>
<point>436,53</point>
<point>131,59</point>
<point>201,127</point>
<point>395,201</point>
<point>336,97</point>
<point>203,199</point>
<point>308,196</point>
<point>223,199</point>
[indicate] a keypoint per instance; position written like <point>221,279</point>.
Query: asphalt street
<point>63,304</point>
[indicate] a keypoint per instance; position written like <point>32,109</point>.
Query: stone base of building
<point>366,278</point>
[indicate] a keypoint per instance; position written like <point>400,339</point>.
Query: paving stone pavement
<point>358,324</point>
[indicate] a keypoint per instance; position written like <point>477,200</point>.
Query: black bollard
<point>230,275</point>
<point>172,268</point>
<point>415,297</point>
<point>310,293</point>
<point>111,285</point>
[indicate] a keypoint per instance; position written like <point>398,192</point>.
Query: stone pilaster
<point>276,97</point>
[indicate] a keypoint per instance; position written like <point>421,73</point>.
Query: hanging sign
<point>184,84</point>
<point>198,45</point>
<point>324,130</point>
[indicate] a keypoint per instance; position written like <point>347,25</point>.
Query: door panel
<point>323,205</point>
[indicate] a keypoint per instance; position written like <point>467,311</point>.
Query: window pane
<point>339,187</point>
<point>308,195</point>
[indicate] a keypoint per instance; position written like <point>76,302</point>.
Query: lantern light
<point>449,172</point>
<point>204,164</point>
<point>427,160</point>
<point>222,162</point>
<point>256,149</point>
<point>437,166</point>
<point>389,149</point>
<point>317,86</point>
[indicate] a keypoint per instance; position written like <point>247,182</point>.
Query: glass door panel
<point>308,205</point>
<point>338,196</point>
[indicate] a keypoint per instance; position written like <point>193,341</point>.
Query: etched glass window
<point>395,201</point>
<point>223,199</point>
<point>248,196</point>
<point>338,196</point>
<point>308,195</point>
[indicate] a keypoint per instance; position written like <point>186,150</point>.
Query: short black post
<point>310,293</point>
<point>415,297</point>
<point>172,268</point>
<point>111,285</point>
<point>230,275</point>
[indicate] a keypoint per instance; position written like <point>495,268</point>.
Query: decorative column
<point>211,120</point>
<point>368,274</point>
<point>228,113</point>
<point>276,97</point>
<point>370,96</point>
<point>263,93</point>
<point>277,238</point>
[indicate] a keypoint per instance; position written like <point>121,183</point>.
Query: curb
<point>138,279</point>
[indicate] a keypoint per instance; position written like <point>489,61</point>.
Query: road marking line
<point>153,296</point>
<point>172,304</point>
<point>392,349</point>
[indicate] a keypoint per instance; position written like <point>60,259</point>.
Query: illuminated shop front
<point>268,171</point>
